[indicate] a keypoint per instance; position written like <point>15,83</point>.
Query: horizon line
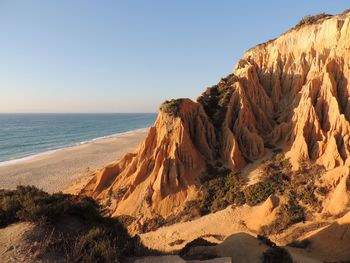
<point>78,113</point>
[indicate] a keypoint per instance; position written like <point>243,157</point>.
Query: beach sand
<point>56,171</point>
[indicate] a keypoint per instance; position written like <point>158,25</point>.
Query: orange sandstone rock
<point>291,92</point>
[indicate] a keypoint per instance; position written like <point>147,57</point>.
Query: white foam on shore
<point>30,157</point>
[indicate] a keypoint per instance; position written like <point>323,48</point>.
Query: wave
<point>36,155</point>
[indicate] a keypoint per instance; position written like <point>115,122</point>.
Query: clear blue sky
<point>129,56</point>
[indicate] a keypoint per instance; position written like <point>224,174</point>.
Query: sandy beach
<point>55,171</point>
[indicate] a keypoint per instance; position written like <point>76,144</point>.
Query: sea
<point>23,136</point>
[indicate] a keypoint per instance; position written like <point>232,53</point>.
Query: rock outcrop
<point>291,93</point>
<point>338,199</point>
<point>166,169</point>
<point>263,215</point>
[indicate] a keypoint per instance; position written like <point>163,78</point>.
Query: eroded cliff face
<point>291,93</point>
<point>302,78</point>
<point>166,169</point>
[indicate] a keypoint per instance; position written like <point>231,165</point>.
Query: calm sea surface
<point>23,135</point>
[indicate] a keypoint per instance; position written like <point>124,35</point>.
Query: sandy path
<point>55,171</point>
<point>214,227</point>
<point>14,244</point>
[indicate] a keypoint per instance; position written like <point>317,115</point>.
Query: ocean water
<point>25,135</point>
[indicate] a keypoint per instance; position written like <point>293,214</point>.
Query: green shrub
<point>294,212</point>
<point>258,192</point>
<point>221,191</point>
<point>28,203</point>
<point>216,193</point>
<point>101,243</point>
<point>126,220</point>
<point>345,12</point>
<point>218,204</point>
<point>276,255</point>
<point>192,210</point>
<point>152,224</point>
<point>278,157</point>
<point>171,107</point>
<point>307,20</point>
<point>94,237</point>
<point>95,246</point>
<point>303,185</point>
<point>285,164</point>
<point>288,214</point>
<point>221,187</point>
<point>8,210</point>
<point>216,98</point>
<point>307,196</point>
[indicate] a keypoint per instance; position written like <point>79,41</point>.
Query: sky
<point>130,56</point>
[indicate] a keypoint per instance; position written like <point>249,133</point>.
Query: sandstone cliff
<point>290,93</point>
<point>166,168</point>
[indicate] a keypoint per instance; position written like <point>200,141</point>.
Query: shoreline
<point>35,155</point>
<point>58,169</point>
